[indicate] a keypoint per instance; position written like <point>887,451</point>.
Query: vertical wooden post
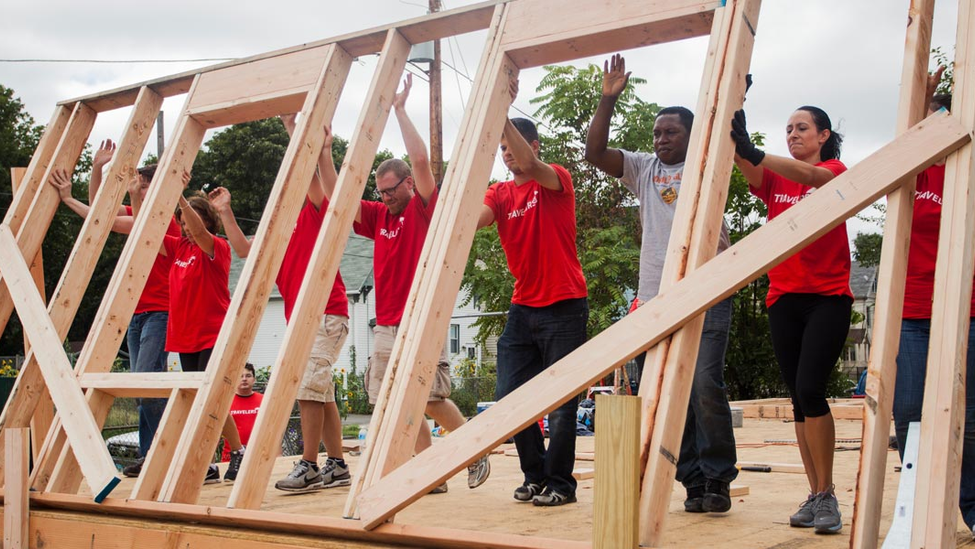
<point>943,414</point>
<point>171,426</point>
<point>615,519</point>
<point>16,512</point>
<point>882,369</point>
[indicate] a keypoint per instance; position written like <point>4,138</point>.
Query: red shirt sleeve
<point>171,243</point>
<point>369,214</point>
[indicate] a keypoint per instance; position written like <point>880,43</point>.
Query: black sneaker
<point>527,491</point>
<point>717,497</point>
<point>694,503</point>
<point>133,470</point>
<point>213,475</point>
<point>236,457</point>
<point>551,498</point>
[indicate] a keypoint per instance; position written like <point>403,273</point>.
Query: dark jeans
<point>912,362</point>
<point>146,339</point>
<point>535,338</point>
<point>707,448</point>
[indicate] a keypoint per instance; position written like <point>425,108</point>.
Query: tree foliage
<point>867,248</point>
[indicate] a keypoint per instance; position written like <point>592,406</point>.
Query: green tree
<point>866,250</point>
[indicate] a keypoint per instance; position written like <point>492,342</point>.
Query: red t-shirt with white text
<point>399,241</point>
<point>537,227</point>
<point>823,266</point>
<point>296,259</point>
<point>155,295</point>
<point>199,294</point>
<point>244,411</point>
<point>926,224</point>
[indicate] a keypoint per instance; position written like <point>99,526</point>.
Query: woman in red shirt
<point>809,296</point>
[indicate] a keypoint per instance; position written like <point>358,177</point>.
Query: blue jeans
<point>146,338</point>
<point>912,361</point>
<point>534,338</point>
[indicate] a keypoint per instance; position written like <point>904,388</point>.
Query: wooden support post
<point>943,414</point>
<point>286,374</point>
<point>616,498</point>
<point>194,451</point>
<point>16,512</point>
<point>717,279</point>
<point>693,242</point>
<point>83,433</point>
<point>882,368</point>
<point>171,426</point>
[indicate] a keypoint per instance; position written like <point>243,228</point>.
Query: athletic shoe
<point>478,472</point>
<point>236,457</point>
<point>717,497</point>
<point>551,498</point>
<point>694,503</point>
<point>335,475</point>
<point>133,470</point>
<point>303,478</point>
<point>527,491</point>
<point>213,474</point>
<point>806,515</point>
<point>828,519</point>
<point>442,489</point>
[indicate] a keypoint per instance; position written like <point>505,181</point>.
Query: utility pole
<point>160,137</point>
<point>436,114</point>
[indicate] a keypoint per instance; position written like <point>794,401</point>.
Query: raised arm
<point>598,153</point>
<point>61,181</point>
<point>415,147</point>
<point>750,160</point>
<point>525,153</point>
<point>322,185</point>
<point>220,200</point>
<point>104,154</point>
<point>193,223</point>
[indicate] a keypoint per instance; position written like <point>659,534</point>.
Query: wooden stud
<point>722,276</point>
<point>142,385</point>
<point>163,447</point>
<point>16,513</point>
<point>616,498</point>
<point>83,434</point>
<point>585,473</point>
<point>56,457</point>
<point>737,490</point>
<point>288,368</point>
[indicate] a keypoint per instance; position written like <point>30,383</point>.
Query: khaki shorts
<point>317,385</point>
<point>383,338</point>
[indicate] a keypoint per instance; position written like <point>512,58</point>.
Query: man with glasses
<point>399,226</point>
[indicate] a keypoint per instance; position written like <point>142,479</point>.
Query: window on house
<point>472,352</point>
<point>454,339</point>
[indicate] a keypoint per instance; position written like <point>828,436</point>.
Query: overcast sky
<point>844,56</point>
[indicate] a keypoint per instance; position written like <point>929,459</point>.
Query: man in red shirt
<point>399,226</point>
<point>244,408</point>
<point>535,213</point>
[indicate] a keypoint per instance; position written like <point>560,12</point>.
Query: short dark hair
<point>942,100</point>
<point>148,171</point>
<point>831,148</point>
<point>250,367</point>
<point>201,204</point>
<point>526,128</point>
<point>685,114</point>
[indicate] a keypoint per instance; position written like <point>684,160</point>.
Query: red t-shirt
<point>296,259</point>
<point>823,266</point>
<point>399,241</point>
<point>919,287</point>
<point>244,411</point>
<point>199,294</point>
<point>155,295</point>
<point>537,227</point>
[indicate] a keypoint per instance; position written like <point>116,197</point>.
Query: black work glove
<point>743,142</point>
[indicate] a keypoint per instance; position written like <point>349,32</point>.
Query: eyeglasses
<point>389,192</point>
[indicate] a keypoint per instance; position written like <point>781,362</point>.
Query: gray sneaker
<point>442,489</point>
<point>828,519</point>
<point>478,472</point>
<point>303,478</point>
<point>806,515</point>
<point>334,475</point>
<point>528,491</point>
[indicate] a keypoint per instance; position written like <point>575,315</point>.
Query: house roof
<point>356,267</point>
<point>862,280</point>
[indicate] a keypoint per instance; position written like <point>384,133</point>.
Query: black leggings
<point>808,335</point>
<point>195,362</point>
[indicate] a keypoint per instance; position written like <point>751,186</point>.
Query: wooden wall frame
<point>521,35</point>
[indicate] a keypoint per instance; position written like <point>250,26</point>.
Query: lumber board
<point>722,276</point>
<point>784,411</point>
<point>83,433</point>
<point>56,456</point>
<point>585,473</point>
<point>616,497</point>
<point>16,510</point>
<point>171,426</point>
<point>416,30</point>
<point>882,366</point>
<point>543,32</point>
<point>131,385</point>
<point>230,352</point>
<point>738,490</point>
<point>289,366</point>
<point>943,413</point>
<point>762,467</point>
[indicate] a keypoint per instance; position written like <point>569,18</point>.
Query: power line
<point>118,61</point>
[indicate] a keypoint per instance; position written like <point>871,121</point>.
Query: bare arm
<point>61,181</point>
<point>102,157</point>
<point>524,154</point>
<point>322,185</point>
<point>415,147</point>
<point>798,171</point>
<point>220,200</point>
<point>752,173</point>
<point>598,153</point>
<point>193,223</point>
<point>486,217</point>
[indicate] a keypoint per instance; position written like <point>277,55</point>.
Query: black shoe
<point>213,474</point>
<point>695,499</point>
<point>717,497</point>
<point>527,491</point>
<point>133,470</point>
<point>551,498</point>
<point>236,458</point>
